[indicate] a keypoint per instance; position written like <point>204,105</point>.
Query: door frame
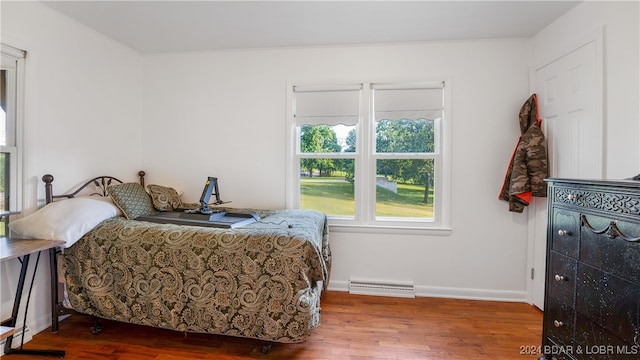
<point>537,214</point>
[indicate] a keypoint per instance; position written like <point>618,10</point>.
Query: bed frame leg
<point>97,326</point>
<point>266,347</point>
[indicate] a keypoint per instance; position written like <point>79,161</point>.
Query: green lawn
<point>334,196</point>
<point>327,194</point>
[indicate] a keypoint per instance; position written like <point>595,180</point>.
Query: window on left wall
<point>11,104</point>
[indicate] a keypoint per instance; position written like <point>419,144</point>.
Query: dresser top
<point>614,182</point>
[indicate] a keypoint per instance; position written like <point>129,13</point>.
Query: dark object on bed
<point>205,216</point>
<point>210,188</point>
<point>261,281</point>
<point>217,219</point>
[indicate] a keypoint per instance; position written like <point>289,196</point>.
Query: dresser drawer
<point>596,342</point>
<point>609,301</point>
<point>559,308</point>
<point>621,202</point>
<point>553,351</point>
<point>565,232</point>
<point>562,280</point>
<point>603,246</point>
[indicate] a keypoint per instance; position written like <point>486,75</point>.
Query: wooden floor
<point>353,327</point>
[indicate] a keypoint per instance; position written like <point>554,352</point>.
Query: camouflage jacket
<point>528,166</point>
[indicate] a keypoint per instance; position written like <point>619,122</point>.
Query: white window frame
<point>15,121</point>
<point>365,157</point>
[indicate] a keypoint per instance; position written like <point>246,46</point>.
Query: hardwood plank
<point>353,327</point>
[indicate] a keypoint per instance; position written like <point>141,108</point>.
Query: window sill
<point>388,229</point>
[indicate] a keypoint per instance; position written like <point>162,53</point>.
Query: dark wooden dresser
<point>592,295</point>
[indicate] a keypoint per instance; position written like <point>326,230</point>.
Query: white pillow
<point>66,220</point>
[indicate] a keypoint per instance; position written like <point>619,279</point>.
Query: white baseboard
<point>34,326</point>
<point>17,339</point>
<point>451,293</point>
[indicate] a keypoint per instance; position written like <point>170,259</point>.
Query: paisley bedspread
<point>260,281</point>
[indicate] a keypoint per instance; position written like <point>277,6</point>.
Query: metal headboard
<point>99,186</point>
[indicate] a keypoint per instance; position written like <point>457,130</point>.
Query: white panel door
<point>568,97</point>
<point>570,105</point>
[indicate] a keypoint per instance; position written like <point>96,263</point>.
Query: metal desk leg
<point>53,261</point>
<point>16,302</point>
<point>14,315</point>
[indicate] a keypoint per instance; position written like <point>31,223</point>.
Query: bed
<point>262,281</point>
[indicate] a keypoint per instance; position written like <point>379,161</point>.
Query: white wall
<point>82,117</point>
<point>618,22</point>
<point>230,107</point>
<point>223,114</point>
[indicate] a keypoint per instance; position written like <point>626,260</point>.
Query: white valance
<point>407,103</point>
<point>409,115</point>
<point>327,105</point>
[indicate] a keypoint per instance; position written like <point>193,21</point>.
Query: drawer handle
<point>572,197</point>
<point>611,230</point>
<point>562,232</point>
<point>560,277</point>
<point>558,323</point>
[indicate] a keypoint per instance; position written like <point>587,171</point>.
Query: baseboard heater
<point>382,288</point>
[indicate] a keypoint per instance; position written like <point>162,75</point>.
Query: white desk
<point>22,249</point>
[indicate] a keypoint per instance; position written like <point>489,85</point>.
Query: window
<point>11,90</point>
<point>370,154</point>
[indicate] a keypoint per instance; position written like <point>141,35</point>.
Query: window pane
<point>4,190</point>
<point>3,107</point>
<point>327,139</point>
<point>405,136</point>
<point>327,185</point>
<point>8,100</point>
<point>404,188</point>
<point>4,181</point>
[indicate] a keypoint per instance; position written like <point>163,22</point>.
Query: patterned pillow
<point>164,198</point>
<point>131,199</point>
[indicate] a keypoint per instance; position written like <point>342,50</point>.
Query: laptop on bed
<point>204,216</point>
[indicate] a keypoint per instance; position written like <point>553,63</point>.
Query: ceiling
<point>174,26</point>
